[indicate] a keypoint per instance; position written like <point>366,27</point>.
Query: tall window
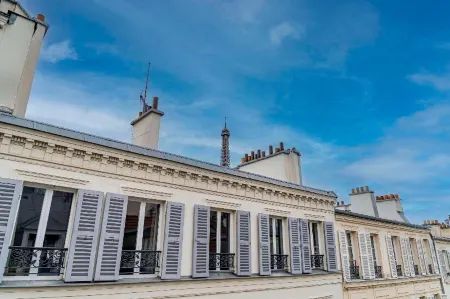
<point>276,235</point>
<point>374,249</point>
<point>350,248</point>
<point>40,233</point>
<point>219,241</point>
<point>139,248</point>
<point>314,232</point>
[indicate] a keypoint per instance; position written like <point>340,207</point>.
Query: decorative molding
<point>323,297</point>
<point>150,194</point>
<point>49,179</point>
<point>314,216</point>
<point>277,212</point>
<point>222,204</point>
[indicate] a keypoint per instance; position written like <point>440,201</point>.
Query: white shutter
<point>244,266</point>
<point>84,240</point>
<point>306,246</point>
<point>330,244</point>
<point>264,244</point>
<point>364,256</point>
<point>444,296</point>
<point>404,250</point>
<point>10,193</point>
<point>410,257</point>
<point>425,256</point>
<point>200,259</point>
<point>391,256</point>
<point>295,246</point>
<point>442,265</point>
<point>345,256</point>
<point>433,257</point>
<point>370,257</point>
<point>111,238</point>
<point>421,252</point>
<point>173,241</point>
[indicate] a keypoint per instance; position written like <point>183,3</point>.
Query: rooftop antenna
<point>144,97</point>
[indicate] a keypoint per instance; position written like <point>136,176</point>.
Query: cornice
<point>44,178</point>
<point>222,204</point>
<point>146,193</point>
<point>277,212</point>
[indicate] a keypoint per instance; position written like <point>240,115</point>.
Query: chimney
<point>263,153</point>
<point>259,154</point>
<point>243,160</point>
<point>281,146</point>
<point>146,126</point>
<point>246,157</point>
<point>270,150</point>
<point>41,17</point>
<point>253,155</point>
<point>363,201</point>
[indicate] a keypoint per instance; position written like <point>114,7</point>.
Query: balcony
<point>430,269</point>
<point>221,261</point>
<point>378,271</point>
<point>354,270</point>
<point>416,270</point>
<point>317,261</point>
<point>399,271</point>
<point>278,262</point>
<point>139,262</point>
<point>44,261</point>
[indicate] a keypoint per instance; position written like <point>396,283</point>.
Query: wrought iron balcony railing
<point>140,262</point>
<point>354,270</point>
<point>416,269</point>
<point>278,262</point>
<point>221,261</point>
<point>317,261</point>
<point>399,271</point>
<point>430,269</point>
<point>42,261</point>
<point>378,272</point>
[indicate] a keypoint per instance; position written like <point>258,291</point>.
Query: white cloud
<point>440,82</point>
<point>103,48</point>
<point>59,51</point>
<point>284,30</point>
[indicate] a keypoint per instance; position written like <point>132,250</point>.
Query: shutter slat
<point>10,193</point>
<point>83,244</point>
<point>264,244</point>
<point>244,244</point>
<point>345,255</point>
<point>295,246</point>
<point>391,256</point>
<point>173,240</point>
<point>370,257</point>
<point>200,260</point>
<point>433,257</point>
<point>410,257</point>
<point>442,265</point>
<point>330,245</point>
<point>404,250</point>
<point>305,246</point>
<point>422,261</point>
<point>363,255</point>
<point>111,238</point>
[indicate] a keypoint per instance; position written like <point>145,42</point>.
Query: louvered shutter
<point>370,256</point>
<point>404,250</point>
<point>295,255</point>
<point>425,256</point>
<point>363,255</point>
<point>264,244</point>
<point>391,256</point>
<point>433,257</point>
<point>345,256</point>
<point>442,265</point>
<point>200,259</point>
<point>173,241</point>
<point>410,257</point>
<point>330,244</point>
<point>420,251</point>
<point>244,267</point>
<point>10,193</point>
<point>444,296</point>
<point>84,240</point>
<point>306,246</point>
<point>111,238</point>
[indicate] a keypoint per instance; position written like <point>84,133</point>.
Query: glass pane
<point>350,248</point>
<point>213,232</point>
<point>224,232</point>
<point>128,258</point>
<point>315,238</point>
<point>149,239</point>
<point>279,236</point>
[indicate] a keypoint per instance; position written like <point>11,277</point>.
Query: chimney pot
<point>155,103</point>
<point>353,190</point>
<point>396,195</point>
<point>281,146</point>
<point>270,150</point>
<point>253,155</point>
<point>367,188</point>
<point>242,160</point>
<point>342,202</point>
<point>246,157</point>
<point>140,113</point>
<point>40,17</point>
<point>263,153</point>
<point>259,154</point>
<point>277,150</point>
<point>357,189</point>
<point>392,196</point>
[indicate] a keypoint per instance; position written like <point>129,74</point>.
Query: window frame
<point>320,238</point>
<point>232,234</point>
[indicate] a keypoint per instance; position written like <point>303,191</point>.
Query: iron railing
<point>140,262</point>
<point>41,261</point>
<point>317,261</point>
<point>378,271</point>
<point>416,269</point>
<point>278,262</point>
<point>430,269</point>
<point>221,261</point>
<point>399,271</point>
<point>354,270</point>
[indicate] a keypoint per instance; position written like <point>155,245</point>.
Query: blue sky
<point>361,88</point>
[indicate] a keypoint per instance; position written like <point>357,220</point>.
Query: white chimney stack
<point>146,126</point>
<point>362,201</point>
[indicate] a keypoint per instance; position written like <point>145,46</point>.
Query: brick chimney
<point>146,126</point>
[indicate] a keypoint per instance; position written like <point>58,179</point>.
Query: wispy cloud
<point>284,30</point>
<point>59,51</point>
<point>440,82</point>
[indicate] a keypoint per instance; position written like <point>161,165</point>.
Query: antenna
<point>146,82</point>
<point>144,97</point>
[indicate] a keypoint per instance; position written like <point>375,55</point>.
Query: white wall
<point>388,209</point>
<point>364,203</point>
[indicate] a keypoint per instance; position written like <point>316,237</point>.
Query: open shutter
<point>295,255</point>
<point>111,238</point>
<point>173,240</point>
<point>306,246</point>
<point>10,193</point>
<point>330,244</point>
<point>200,261</point>
<point>363,253</point>
<point>345,256</point>
<point>425,256</point>
<point>244,267</point>
<point>433,257</point>
<point>404,250</point>
<point>370,256</point>
<point>420,251</point>
<point>391,256</point>
<point>83,244</point>
<point>264,244</point>
<point>410,257</point>
<point>442,265</point>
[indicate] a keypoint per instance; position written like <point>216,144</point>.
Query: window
<point>39,243</point>
<point>316,237</point>
<point>139,247</point>
<point>415,254</point>
<point>279,260</point>
<point>220,257</point>
<point>315,246</point>
<point>374,249</point>
<point>350,247</point>
<point>398,255</point>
